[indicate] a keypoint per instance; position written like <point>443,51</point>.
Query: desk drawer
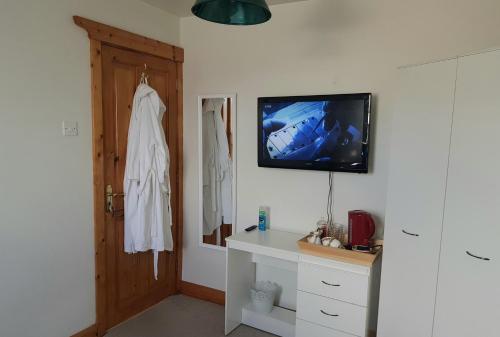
<point>307,329</point>
<point>333,283</point>
<point>330,313</point>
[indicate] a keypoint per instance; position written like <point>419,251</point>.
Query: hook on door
<point>144,75</point>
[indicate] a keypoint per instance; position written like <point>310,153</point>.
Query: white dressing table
<point>321,297</point>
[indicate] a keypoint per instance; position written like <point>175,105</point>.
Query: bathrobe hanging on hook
<point>148,215</point>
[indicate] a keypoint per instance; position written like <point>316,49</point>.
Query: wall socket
<point>70,128</point>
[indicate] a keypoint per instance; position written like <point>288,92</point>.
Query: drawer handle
<point>331,315</point>
<point>411,234</point>
<point>330,284</point>
<point>478,257</point>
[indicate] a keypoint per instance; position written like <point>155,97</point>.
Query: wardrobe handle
<point>478,257</point>
<point>331,315</point>
<point>411,234</point>
<point>330,284</point>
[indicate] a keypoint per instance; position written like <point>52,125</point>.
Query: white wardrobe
<point>441,266</point>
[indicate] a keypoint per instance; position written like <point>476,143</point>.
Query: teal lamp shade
<point>232,12</point>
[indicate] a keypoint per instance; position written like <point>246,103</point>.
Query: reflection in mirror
<point>217,118</point>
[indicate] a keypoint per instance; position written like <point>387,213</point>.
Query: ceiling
<point>182,8</point>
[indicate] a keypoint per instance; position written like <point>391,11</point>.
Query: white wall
<point>314,47</point>
<point>46,227</point>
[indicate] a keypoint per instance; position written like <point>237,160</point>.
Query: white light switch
<point>70,128</point>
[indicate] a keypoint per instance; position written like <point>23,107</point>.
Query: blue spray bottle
<point>262,219</point>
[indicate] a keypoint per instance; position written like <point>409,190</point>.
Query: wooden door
<point>416,192</point>
<point>468,296</point>
<point>130,282</point>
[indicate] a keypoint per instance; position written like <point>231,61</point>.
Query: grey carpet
<point>181,316</point>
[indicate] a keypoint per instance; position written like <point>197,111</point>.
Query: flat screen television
<point>324,132</point>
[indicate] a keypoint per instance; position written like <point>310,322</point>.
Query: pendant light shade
<point>232,12</point>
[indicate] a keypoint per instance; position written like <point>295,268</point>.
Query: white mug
<point>311,238</point>
<point>326,241</point>
<point>335,243</point>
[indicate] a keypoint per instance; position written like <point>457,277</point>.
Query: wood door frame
<point>100,35</point>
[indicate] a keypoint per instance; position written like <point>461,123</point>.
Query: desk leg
<point>240,275</point>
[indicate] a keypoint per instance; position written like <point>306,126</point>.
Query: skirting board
<point>203,293</point>
<point>91,331</point>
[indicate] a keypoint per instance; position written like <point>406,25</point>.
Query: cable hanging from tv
<point>329,205</point>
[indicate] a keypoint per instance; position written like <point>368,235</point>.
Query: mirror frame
<point>234,116</point>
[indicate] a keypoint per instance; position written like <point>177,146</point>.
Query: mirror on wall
<point>217,169</point>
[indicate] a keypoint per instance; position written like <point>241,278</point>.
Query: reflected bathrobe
<point>217,168</point>
<point>148,217</point>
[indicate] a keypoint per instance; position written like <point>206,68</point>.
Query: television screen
<point>328,132</point>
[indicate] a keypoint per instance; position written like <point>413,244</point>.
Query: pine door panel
<point>131,286</point>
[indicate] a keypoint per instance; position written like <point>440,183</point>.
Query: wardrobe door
<point>468,299</point>
<point>417,182</point>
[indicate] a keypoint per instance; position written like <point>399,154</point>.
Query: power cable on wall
<point>330,201</point>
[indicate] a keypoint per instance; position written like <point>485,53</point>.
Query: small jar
<point>322,226</point>
<point>338,232</point>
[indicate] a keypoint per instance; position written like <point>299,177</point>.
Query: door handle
<point>478,257</point>
<point>330,284</point>
<point>411,234</point>
<point>109,201</point>
<point>327,314</point>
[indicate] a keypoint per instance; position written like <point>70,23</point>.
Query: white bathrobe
<point>217,169</point>
<point>148,217</point>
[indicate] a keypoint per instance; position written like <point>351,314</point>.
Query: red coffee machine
<point>361,228</point>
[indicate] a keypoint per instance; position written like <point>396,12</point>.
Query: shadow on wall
<point>373,132</point>
<point>338,16</point>
<point>405,28</point>
<point>331,21</point>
